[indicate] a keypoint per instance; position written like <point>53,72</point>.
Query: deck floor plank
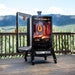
<point>17,66</point>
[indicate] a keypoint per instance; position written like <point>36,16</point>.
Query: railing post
<point>59,43</point>
<point>1,43</point>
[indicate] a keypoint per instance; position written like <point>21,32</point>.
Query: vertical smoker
<point>39,36</point>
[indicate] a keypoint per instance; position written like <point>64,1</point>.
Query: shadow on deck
<point>17,66</point>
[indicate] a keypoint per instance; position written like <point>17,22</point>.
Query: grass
<point>65,28</point>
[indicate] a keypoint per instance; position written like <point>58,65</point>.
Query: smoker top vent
<point>39,13</point>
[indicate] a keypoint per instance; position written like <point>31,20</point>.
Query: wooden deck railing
<point>62,43</point>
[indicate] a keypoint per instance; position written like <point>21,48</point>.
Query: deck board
<point>17,66</point>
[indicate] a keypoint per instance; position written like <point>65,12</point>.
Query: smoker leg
<point>45,58</point>
<point>32,58</point>
<point>54,56</point>
<point>26,56</point>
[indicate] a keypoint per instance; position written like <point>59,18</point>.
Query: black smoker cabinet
<point>39,35</point>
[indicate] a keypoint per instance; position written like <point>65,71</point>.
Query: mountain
<point>62,20</point>
<point>8,20</point>
<point>58,20</point>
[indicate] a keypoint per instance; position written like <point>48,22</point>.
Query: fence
<point>62,43</point>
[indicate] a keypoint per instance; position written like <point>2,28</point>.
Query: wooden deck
<point>17,66</point>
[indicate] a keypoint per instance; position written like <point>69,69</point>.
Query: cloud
<point>7,11</point>
<point>52,10</point>
<point>58,10</point>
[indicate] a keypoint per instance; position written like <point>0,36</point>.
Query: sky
<point>64,7</point>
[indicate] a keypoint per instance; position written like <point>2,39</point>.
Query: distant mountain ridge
<point>58,20</point>
<point>62,20</point>
<point>8,20</point>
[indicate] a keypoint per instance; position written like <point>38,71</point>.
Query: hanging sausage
<point>35,28</point>
<point>44,29</point>
<point>48,28</point>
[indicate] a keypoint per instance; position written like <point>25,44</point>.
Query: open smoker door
<point>24,26</point>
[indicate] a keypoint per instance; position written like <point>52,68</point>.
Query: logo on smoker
<point>39,28</point>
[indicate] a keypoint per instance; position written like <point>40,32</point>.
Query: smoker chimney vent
<point>39,13</point>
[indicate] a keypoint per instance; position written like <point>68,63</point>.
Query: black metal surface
<point>17,32</point>
<point>29,38</point>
